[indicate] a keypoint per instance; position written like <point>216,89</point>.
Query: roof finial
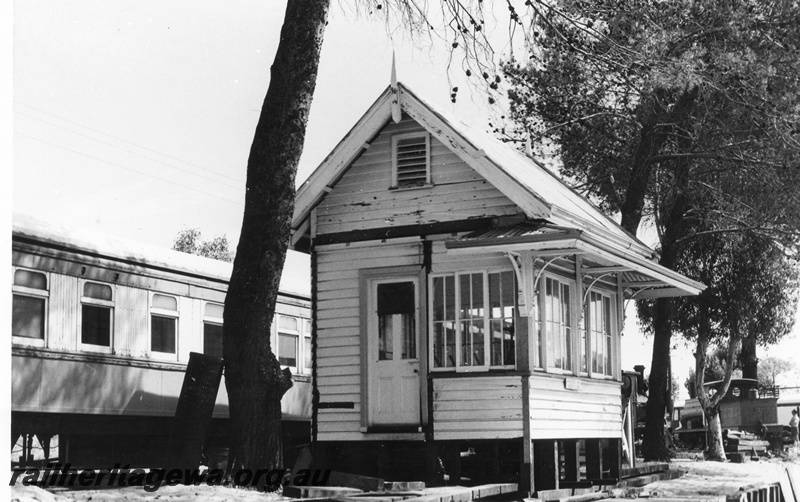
<point>397,113</point>
<point>394,72</point>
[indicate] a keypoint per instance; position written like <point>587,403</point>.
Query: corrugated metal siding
<point>593,411</point>
<point>361,199</point>
<point>480,407</point>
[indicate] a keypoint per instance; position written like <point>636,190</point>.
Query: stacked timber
<point>738,441</point>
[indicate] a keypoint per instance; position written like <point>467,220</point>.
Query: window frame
<point>544,362</point>
<point>457,321</point>
<point>109,304</point>
<point>613,334</point>
<point>298,334</point>
<point>208,319</point>
<point>43,294</point>
<point>307,327</point>
<point>159,312</point>
<point>396,138</point>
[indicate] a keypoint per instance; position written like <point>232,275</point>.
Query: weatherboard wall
<point>478,407</point>
<point>568,407</point>
<point>362,198</point>
<point>339,329</point>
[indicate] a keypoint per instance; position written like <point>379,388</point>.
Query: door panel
<point>393,340</point>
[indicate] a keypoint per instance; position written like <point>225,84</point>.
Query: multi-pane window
<point>558,323</point>
<point>29,306</point>
<point>471,313</point>
<point>397,321</point>
<point>97,309</point>
<point>501,318</point>
<point>410,160</point>
<point>444,322</point>
<point>474,320</point>
<point>599,327</point>
<point>164,324</point>
<point>212,329</point>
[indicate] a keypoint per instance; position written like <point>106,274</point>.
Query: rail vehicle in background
<point>746,407</point>
<point>102,329</point>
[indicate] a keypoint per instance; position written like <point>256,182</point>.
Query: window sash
<point>557,323</point>
<point>288,349</point>
<point>302,343</point>
<point>96,326</point>
<point>467,316</point>
<point>29,317</point>
<point>600,333</point>
<point>163,334</point>
<point>212,338</point>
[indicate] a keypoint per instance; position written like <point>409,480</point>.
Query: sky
<point>134,118</point>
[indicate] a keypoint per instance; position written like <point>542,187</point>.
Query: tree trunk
<point>749,358</point>
<point>652,138</point>
<point>673,210</point>
<point>253,376</point>
<point>654,445</point>
<point>710,405</point>
<point>716,447</point>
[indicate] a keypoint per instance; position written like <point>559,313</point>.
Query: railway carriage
<point>101,334</point>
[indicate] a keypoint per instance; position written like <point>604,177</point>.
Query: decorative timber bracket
<point>524,263</point>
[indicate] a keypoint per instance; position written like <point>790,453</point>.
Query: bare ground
<point>719,478</point>
<point>701,478</point>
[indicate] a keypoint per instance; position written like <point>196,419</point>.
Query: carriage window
<point>288,339</point>
<point>29,305</point>
<point>212,329</point>
<point>97,308</point>
<point>164,324</point>
<point>307,346</point>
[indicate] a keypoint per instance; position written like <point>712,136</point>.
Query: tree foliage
<point>770,367</point>
<point>716,364</point>
<point>752,291</point>
<point>190,241</point>
<point>683,114</point>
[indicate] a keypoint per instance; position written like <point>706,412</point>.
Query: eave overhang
<point>641,278</point>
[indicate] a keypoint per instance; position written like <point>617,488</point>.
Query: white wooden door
<point>393,340</point>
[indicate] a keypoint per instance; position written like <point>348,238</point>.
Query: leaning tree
<point>682,115</point>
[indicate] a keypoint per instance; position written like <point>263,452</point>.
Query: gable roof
<point>572,223</point>
<point>527,183</point>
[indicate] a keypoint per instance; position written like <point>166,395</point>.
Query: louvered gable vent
<point>411,165</point>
